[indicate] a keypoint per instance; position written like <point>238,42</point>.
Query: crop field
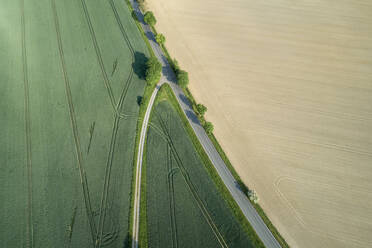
<point>184,207</point>
<point>70,77</point>
<point>288,87</point>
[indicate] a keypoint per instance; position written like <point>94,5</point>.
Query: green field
<point>70,77</point>
<point>184,208</point>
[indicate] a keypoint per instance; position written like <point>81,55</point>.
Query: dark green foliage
<point>182,78</point>
<point>160,39</point>
<point>153,70</point>
<point>201,109</point>
<point>174,65</point>
<point>208,126</point>
<point>149,18</point>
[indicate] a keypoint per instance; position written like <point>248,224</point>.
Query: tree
<point>153,70</point>
<point>175,66</point>
<point>253,196</point>
<point>208,126</point>
<point>201,109</point>
<point>160,39</point>
<point>150,18</point>
<point>182,78</point>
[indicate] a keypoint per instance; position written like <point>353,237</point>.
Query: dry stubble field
<point>288,86</point>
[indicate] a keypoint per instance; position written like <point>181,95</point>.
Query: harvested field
<point>70,80</point>
<point>288,87</point>
<point>184,207</point>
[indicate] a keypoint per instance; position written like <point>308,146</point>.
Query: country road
<point>168,77</point>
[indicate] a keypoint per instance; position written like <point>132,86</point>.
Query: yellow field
<point>288,85</point>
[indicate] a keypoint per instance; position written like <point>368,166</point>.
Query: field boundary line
<point>83,179</point>
<point>98,55</point>
<point>30,228</point>
<point>172,172</point>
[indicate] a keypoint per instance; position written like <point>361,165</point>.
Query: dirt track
<point>289,88</point>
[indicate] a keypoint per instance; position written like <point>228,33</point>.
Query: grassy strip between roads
<point>144,102</point>
<point>219,149</point>
<point>167,92</point>
<point>143,239</point>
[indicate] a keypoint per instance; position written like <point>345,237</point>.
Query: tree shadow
<point>184,99</point>
<point>192,116</point>
<point>137,15</point>
<point>139,100</point>
<point>150,36</point>
<point>134,15</point>
<point>139,65</point>
<point>127,241</point>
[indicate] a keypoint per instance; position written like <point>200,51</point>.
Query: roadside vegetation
<point>149,18</point>
<point>153,71</point>
<point>160,39</point>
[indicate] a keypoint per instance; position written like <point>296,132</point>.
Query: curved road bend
<point>168,77</point>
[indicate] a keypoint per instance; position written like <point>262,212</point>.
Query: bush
<point>150,18</point>
<point>182,78</point>
<point>208,126</point>
<point>174,65</point>
<point>153,70</point>
<point>201,109</point>
<point>253,196</point>
<point>160,39</point>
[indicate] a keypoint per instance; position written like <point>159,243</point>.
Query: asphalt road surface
<point>169,77</point>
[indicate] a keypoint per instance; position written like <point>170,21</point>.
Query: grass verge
<point>167,91</point>
<point>144,103</point>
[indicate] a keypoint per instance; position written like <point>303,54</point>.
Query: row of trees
<point>153,72</point>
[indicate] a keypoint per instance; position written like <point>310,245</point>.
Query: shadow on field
<point>127,241</point>
<point>139,100</point>
<point>139,64</point>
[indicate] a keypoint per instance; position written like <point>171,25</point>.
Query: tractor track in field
<point>103,207</point>
<point>104,198</point>
<point>172,207</point>
<point>98,54</point>
<point>192,189</point>
<point>83,179</point>
<point>172,203</point>
<point>30,229</point>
